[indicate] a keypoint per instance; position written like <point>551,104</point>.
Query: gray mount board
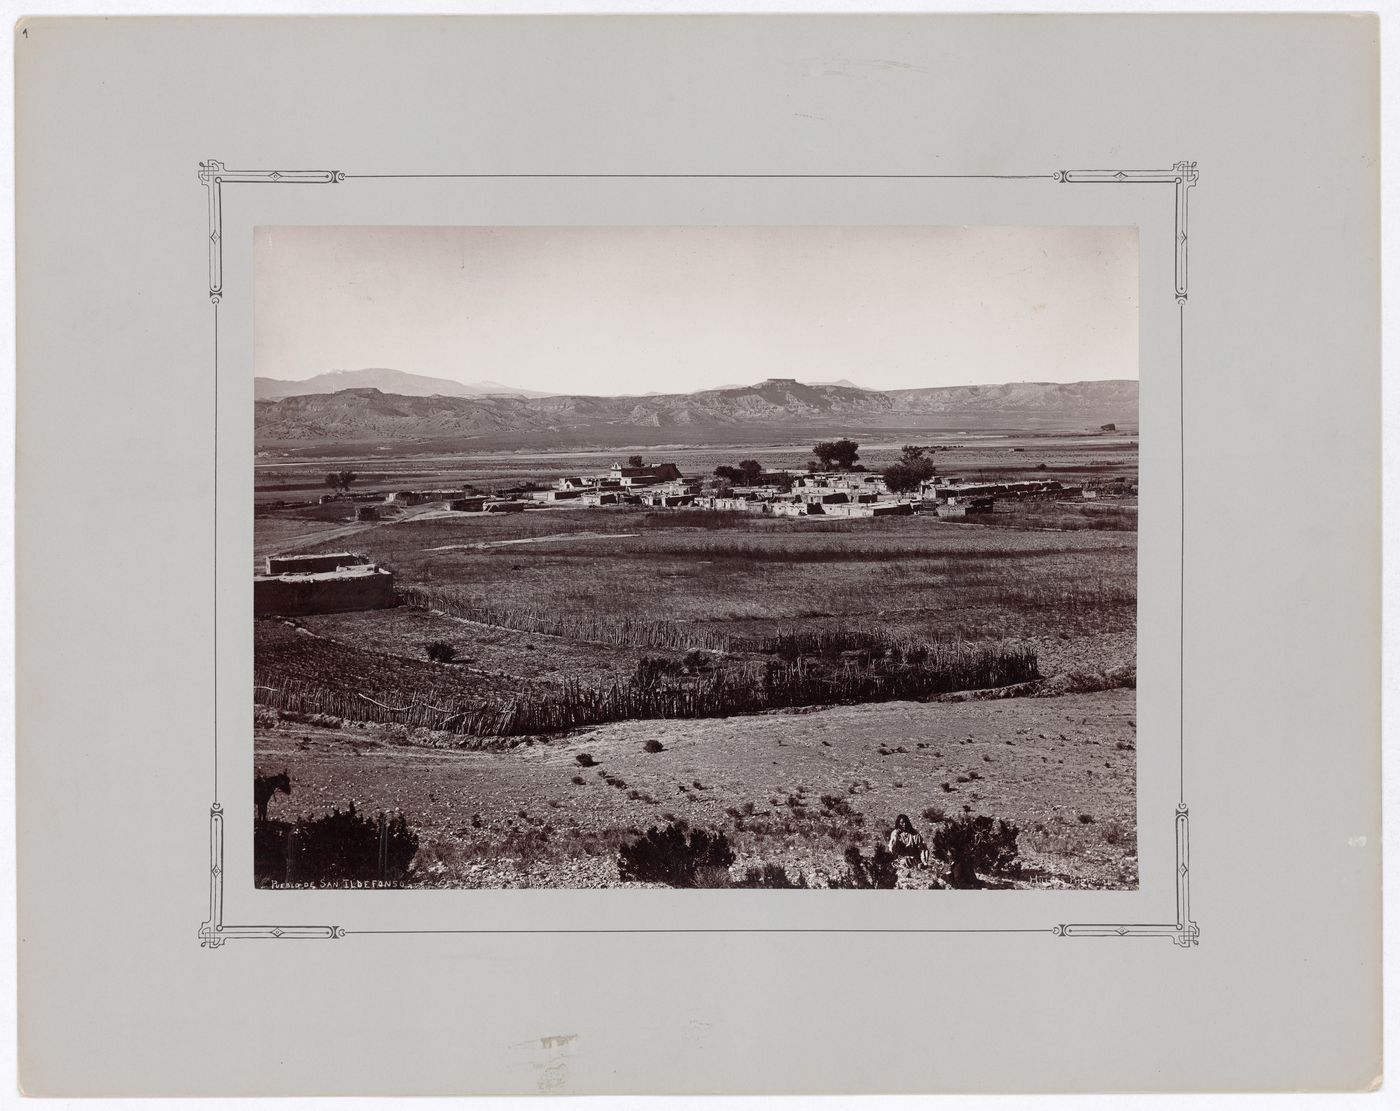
<point>1259,573</point>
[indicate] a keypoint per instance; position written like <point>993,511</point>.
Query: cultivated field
<point>797,678</point>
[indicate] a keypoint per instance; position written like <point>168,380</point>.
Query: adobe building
<point>473,504</point>
<point>644,476</point>
<point>870,509</point>
<point>312,564</point>
<point>338,590</point>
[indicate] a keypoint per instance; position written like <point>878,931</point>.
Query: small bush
<point>339,847</point>
<point>976,843</point>
<point>671,857</point>
<point>934,814</point>
<point>579,780</point>
<point>653,745</point>
<point>837,805</point>
<point>1087,819</point>
<point>585,760</point>
<point>877,873</point>
<point>439,651</point>
<point>772,876</point>
<point>652,671</point>
<point>696,660</point>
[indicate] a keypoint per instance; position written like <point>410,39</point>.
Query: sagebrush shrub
<point>345,845</point>
<point>696,661</point>
<point>976,843</point>
<point>773,876</point>
<point>675,858</point>
<point>653,745</point>
<point>439,651</point>
<point>877,873</point>
<point>652,670</point>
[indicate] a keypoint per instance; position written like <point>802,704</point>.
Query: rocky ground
<point>791,788</point>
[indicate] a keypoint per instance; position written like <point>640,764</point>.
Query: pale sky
<point>632,310</point>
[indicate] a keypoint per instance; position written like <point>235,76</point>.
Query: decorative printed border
<point>1182,177</point>
<point>213,932</point>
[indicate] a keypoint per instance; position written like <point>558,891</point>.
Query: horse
<point>265,786</point>
<point>905,841</point>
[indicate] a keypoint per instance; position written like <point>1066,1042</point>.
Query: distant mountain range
<point>385,380</point>
<point>724,415</point>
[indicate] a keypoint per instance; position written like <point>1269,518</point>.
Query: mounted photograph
<point>785,557</point>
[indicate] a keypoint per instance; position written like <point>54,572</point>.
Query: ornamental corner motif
<point>1183,176</point>
<point>213,174</point>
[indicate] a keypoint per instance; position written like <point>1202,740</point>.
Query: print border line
<point>1182,176</point>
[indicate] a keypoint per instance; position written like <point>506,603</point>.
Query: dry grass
<point>936,581</point>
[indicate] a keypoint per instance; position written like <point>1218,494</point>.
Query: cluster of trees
<point>913,468</point>
<point>341,480</point>
<point>836,455</point>
<point>747,473</point>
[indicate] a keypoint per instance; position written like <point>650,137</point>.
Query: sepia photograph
<point>695,557</point>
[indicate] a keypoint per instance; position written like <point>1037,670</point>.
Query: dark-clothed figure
<point>906,842</point>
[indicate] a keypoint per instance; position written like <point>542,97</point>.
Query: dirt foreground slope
<point>791,788</point>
